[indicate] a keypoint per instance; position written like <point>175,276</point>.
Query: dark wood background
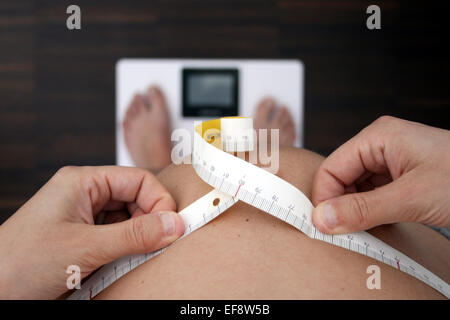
<point>57,86</point>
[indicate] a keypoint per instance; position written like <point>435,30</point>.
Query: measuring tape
<point>235,179</point>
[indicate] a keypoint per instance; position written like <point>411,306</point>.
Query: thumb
<point>143,234</point>
<point>361,211</point>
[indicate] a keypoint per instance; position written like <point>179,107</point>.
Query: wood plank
<point>57,86</point>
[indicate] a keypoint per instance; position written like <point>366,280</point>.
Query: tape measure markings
<point>207,156</point>
<point>235,179</point>
<point>113,271</point>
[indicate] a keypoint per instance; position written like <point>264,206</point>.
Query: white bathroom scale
<point>202,89</point>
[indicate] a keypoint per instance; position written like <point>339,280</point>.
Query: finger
<point>372,182</point>
<point>132,207</point>
<point>124,184</point>
<point>107,217</point>
<point>115,217</point>
<point>379,180</point>
<point>100,218</point>
<point>134,210</point>
<point>144,234</point>
<point>351,189</point>
<point>344,166</point>
<point>391,203</point>
<point>365,186</point>
<point>366,175</point>
<point>113,205</point>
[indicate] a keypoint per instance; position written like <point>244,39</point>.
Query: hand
<point>55,228</point>
<point>392,171</point>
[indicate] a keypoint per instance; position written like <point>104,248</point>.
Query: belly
<point>247,254</point>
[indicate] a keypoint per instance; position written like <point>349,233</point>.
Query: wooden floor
<point>57,86</point>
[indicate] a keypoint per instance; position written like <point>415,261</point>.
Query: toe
<point>146,103</point>
<point>159,107</point>
<point>137,106</point>
<point>290,127</point>
<point>132,107</point>
<point>156,96</point>
<point>287,128</point>
<point>278,119</point>
<point>286,117</point>
<point>142,104</point>
<point>126,123</point>
<point>291,119</point>
<point>290,135</point>
<point>264,112</point>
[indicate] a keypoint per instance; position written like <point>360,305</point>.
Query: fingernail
<point>328,215</point>
<point>168,220</point>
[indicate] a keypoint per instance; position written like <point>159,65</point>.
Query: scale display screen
<point>210,92</point>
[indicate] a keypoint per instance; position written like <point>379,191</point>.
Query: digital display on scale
<point>210,92</point>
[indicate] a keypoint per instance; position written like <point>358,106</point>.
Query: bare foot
<point>269,116</point>
<point>147,130</point>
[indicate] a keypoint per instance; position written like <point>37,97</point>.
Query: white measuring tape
<point>235,179</point>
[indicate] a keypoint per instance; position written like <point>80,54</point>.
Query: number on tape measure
<point>235,179</point>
